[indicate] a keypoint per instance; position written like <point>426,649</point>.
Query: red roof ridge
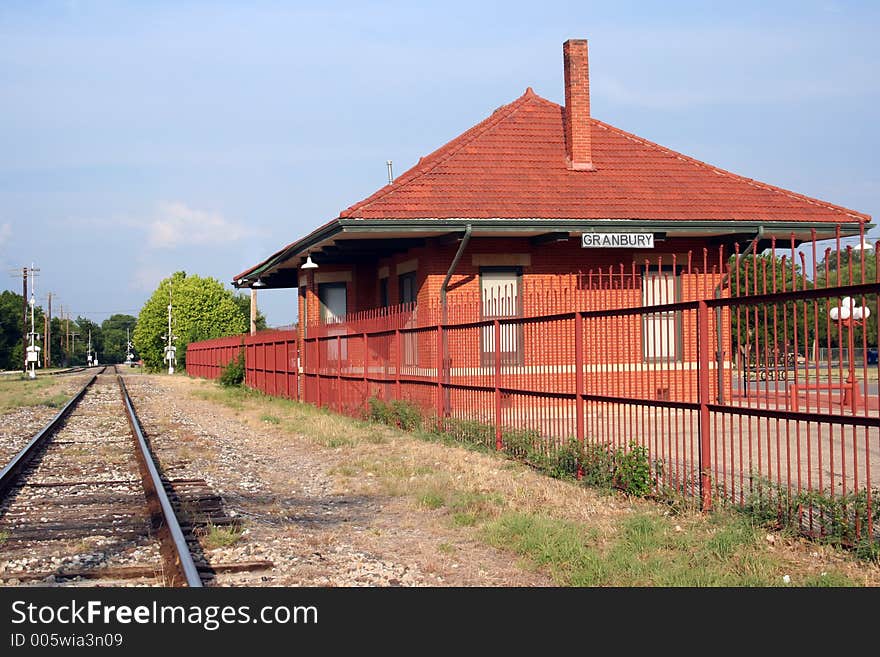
<point>723,172</point>
<point>448,150</point>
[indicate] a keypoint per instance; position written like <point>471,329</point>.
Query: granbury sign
<point>617,240</point>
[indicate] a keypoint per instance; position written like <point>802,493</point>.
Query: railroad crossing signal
<point>171,354</point>
<point>129,346</point>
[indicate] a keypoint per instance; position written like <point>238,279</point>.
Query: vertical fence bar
<point>703,396</point>
<point>579,376</point>
<point>496,325</point>
<point>397,361</point>
<point>439,402</point>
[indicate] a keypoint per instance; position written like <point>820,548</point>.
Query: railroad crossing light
<point>33,354</point>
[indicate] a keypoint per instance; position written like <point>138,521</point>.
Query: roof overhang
<point>347,240</point>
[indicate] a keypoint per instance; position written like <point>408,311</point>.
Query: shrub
<point>399,413</point>
<point>378,411</point>
<point>565,460</point>
<point>632,471</point>
<point>233,372</point>
<point>470,432</point>
<point>597,466</point>
<point>406,415</point>
<point>842,520</point>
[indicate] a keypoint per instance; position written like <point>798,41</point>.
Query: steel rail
<point>173,543</point>
<point>20,460</point>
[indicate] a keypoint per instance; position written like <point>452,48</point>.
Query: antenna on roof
<point>390,175</point>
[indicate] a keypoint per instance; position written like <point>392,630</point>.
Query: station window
<point>661,331</point>
<point>406,285</point>
<point>500,291</point>
<point>383,292</point>
<point>407,294</point>
<point>334,306</point>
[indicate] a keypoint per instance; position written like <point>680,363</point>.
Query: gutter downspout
<point>719,356</point>
<point>445,316</point>
<point>461,247</point>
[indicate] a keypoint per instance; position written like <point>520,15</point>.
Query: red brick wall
<point>557,278</point>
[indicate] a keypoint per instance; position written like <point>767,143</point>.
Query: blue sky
<point>142,138</point>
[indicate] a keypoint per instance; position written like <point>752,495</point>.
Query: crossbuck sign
<point>617,240</point>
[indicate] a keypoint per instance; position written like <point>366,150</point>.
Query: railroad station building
<point>537,209</point>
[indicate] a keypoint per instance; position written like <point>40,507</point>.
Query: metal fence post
<point>703,395</point>
<point>497,328</point>
<point>336,403</point>
<point>366,356</point>
<point>439,403</point>
<point>579,382</point>
<point>397,361</point>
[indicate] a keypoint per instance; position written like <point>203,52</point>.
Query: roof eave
<point>802,230</point>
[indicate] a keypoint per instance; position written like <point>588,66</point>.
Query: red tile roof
<point>512,165</point>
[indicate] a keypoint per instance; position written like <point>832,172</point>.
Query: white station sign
<point>617,240</point>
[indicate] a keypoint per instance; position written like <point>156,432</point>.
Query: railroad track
<point>84,501</point>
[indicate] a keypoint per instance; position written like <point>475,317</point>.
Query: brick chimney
<point>578,147</point>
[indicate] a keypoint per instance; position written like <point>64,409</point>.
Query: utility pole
<point>24,296</point>
<point>89,352</point>
<point>62,339</point>
<point>170,349</point>
<point>48,344</point>
<point>32,351</point>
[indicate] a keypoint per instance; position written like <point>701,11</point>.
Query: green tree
<point>11,342</point>
<point>844,267</point>
<point>766,332</point>
<point>59,356</point>
<point>114,333</point>
<point>11,354</point>
<point>84,328</point>
<point>201,309</point>
<point>244,303</point>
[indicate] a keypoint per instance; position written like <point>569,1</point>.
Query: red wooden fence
<point>271,360</point>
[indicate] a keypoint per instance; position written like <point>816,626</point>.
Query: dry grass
<point>19,391</point>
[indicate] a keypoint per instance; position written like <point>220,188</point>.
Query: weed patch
<point>233,372</point>
<point>217,536</point>
<point>841,521</point>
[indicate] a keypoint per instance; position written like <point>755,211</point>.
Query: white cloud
<point>176,224</point>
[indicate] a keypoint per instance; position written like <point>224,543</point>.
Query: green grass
<point>648,550</point>
<point>470,507</point>
<point>322,426</point>
<point>220,536</point>
<point>432,500</point>
<point>16,392</point>
<point>4,536</point>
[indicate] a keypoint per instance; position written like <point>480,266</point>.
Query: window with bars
<point>501,297</point>
<point>661,331</point>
